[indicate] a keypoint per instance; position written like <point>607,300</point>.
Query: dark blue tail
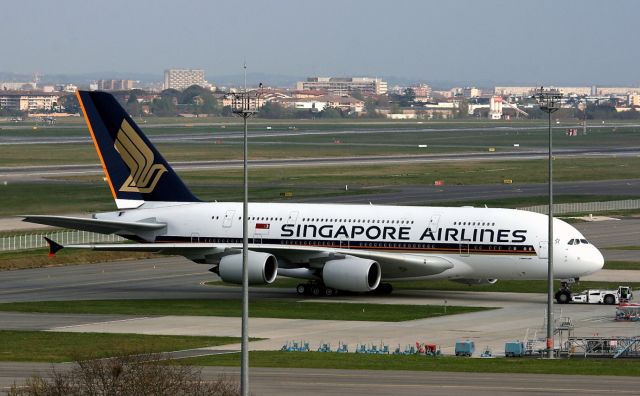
<point>134,168</point>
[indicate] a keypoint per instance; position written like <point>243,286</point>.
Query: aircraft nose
<point>595,260</point>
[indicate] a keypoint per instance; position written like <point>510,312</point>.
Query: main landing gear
<point>315,289</point>
<point>318,289</point>
<point>563,295</point>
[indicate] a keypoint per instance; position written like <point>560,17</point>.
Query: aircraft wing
<point>394,265</point>
<point>96,225</point>
<point>182,249</point>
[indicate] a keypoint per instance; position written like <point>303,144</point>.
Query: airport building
<point>344,85</point>
<point>116,85</point>
<point>28,101</point>
<point>183,78</point>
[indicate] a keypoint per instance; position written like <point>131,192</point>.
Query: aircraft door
<point>292,218</point>
<point>543,250</point>
<point>228,219</point>
<point>195,237</point>
<point>433,222</point>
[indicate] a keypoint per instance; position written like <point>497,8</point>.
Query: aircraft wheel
<point>329,292</point>
<point>563,297</point>
<point>301,289</point>
<point>315,290</point>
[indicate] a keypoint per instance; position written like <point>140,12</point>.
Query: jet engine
<point>262,268</point>
<point>472,282</point>
<point>351,274</point>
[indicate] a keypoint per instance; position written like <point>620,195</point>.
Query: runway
<point>293,381</point>
<point>24,173</point>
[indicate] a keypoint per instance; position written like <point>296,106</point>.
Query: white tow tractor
<point>600,296</point>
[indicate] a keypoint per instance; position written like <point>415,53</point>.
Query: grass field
<point>352,361</point>
<point>38,258</point>
<point>260,308</point>
<point>90,193</point>
<point>44,346</point>
<point>374,138</point>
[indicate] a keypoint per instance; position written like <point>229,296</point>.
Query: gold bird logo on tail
<point>144,174</point>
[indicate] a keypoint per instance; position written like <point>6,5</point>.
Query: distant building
<point>471,92</point>
<point>344,85</point>
<point>184,78</point>
<point>17,86</point>
<point>422,91</point>
<point>28,101</point>
<point>604,91</point>
<point>116,85</point>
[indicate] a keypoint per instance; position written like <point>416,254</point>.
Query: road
<point>291,381</point>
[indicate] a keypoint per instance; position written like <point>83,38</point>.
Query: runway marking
<point>97,323</point>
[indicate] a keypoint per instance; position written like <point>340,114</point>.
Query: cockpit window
<point>577,241</point>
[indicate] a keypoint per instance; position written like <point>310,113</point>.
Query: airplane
<point>330,247</point>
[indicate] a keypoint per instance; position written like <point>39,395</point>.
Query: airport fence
<point>586,207</point>
<point>36,240</point>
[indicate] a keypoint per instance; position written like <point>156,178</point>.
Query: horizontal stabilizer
<point>95,225</point>
<point>54,247</point>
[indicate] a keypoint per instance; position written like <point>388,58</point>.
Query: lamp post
<point>549,101</point>
<point>245,104</point>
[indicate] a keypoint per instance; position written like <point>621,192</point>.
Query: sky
<point>496,42</point>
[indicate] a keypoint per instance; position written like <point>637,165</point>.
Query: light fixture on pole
<point>245,104</point>
<point>549,101</point>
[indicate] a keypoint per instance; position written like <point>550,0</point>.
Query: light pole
<point>245,104</point>
<point>549,101</point>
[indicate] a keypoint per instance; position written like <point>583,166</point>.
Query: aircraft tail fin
<point>135,170</point>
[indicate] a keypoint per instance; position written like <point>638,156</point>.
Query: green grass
<point>261,308</point>
<point>352,361</point>
<point>504,286</point>
<point>43,346</point>
<point>623,248</point>
<point>395,140</point>
<point>622,265</point>
<point>38,258</point>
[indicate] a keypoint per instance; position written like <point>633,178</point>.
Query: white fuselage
<point>480,243</point>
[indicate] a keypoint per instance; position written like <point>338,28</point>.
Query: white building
<point>344,85</point>
<point>28,101</point>
<point>183,78</point>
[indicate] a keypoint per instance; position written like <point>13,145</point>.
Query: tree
<point>330,112</point>
<point>273,110</point>
<point>356,93</point>
<point>371,107</point>
<point>69,103</point>
<point>408,97</point>
<point>143,374</point>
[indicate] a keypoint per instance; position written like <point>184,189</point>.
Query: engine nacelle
<point>352,274</point>
<point>262,268</point>
<point>471,282</point>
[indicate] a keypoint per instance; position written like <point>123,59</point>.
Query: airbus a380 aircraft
<point>333,247</point>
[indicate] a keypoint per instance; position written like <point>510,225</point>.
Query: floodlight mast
<point>245,104</point>
<point>549,101</point>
